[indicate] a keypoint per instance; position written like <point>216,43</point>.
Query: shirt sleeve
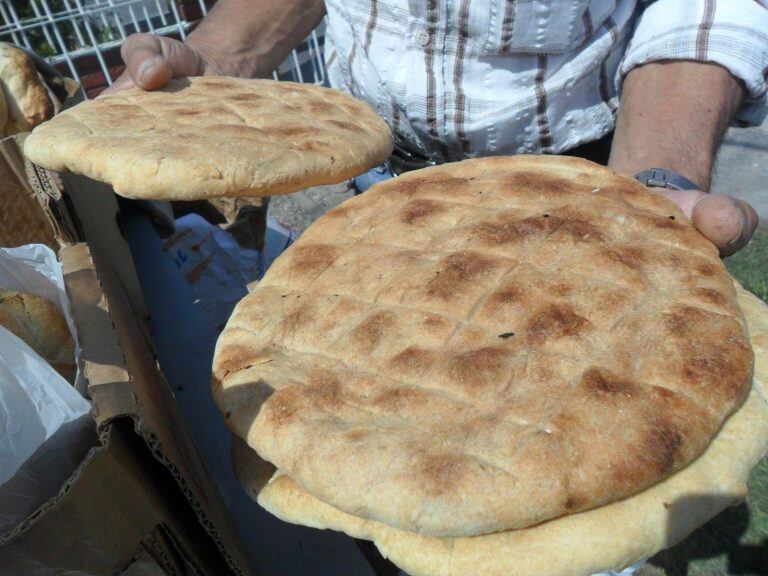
<point>732,33</point>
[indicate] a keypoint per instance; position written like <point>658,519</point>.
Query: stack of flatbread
<point>24,99</point>
<point>527,366</point>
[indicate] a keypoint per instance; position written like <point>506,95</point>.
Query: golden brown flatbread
<point>39,323</point>
<point>487,345</point>
<point>28,101</point>
<point>208,137</point>
<point>606,538</point>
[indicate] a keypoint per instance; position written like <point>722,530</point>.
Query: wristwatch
<point>661,178</point>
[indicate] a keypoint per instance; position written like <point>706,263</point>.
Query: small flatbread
<point>40,324</point>
<point>28,101</point>
<point>202,138</point>
<point>607,538</point>
<point>487,345</point>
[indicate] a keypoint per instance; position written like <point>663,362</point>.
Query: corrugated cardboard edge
<point>121,385</point>
<point>147,397</point>
<point>119,502</point>
<point>21,217</point>
<point>124,380</point>
<point>153,524</point>
<point>109,381</point>
<point>39,184</point>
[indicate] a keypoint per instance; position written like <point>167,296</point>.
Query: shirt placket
<point>428,19</point>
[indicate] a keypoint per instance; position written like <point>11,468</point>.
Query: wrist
<point>672,115</point>
<point>699,171</point>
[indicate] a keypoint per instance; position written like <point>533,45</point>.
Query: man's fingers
<point>144,61</point>
<point>728,223</point>
<point>152,61</point>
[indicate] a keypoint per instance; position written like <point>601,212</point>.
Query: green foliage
<point>750,266</point>
<point>38,39</point>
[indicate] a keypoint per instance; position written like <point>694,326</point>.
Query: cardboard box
<point>151,495</point>
<point>141,495</point>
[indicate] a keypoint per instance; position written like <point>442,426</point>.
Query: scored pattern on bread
<point>603,539</point>
<point>489,344</point>
<point>210,137</point>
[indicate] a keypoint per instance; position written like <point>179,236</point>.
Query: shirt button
<point>421,37</point>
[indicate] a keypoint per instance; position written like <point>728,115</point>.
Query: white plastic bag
<point>34,269</point>
<point>35,401</point>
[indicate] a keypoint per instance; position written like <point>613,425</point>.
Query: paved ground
<point>297,211</point>
<point>742,168</point>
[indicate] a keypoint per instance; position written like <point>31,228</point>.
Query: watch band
<point>661,178</point>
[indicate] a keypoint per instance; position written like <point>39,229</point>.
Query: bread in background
<point>25,93</point>
<point>40,324</point>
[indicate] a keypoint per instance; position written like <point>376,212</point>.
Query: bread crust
<point>209,137</point>
<point>28,101</point>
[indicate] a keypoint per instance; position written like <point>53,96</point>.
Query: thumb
<point>152,61</point>
<point>727,222</point>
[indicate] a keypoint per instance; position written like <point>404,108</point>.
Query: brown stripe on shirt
<point>605,92</point>
<point>429,61</point>
<point>589,28</point>
<point>371,25</point>
<point>350,61</point>
<point>330,59</point>
<point>545,136</point>
<point>395,119</point>
<point>702,38</point>
<point>506,26</point>
<point>458,73</point>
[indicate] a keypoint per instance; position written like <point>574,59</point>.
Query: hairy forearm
<point>250,38</point>
<point>673,115</point>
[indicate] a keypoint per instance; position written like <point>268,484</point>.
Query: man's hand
<point>673,115</point>
<point>237,38</point>
<point>152,61</point>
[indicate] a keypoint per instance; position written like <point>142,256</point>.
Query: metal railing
<point>68,31</point>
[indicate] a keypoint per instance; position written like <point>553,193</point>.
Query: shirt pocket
<point>539,26</point>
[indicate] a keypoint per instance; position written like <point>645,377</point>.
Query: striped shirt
<point>464,78</point>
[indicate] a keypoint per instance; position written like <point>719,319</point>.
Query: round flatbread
<point>487,345</point>
<point>40,324</point>
<point>208,137</point>
<point>28,101</point>
<point>607,538</point>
